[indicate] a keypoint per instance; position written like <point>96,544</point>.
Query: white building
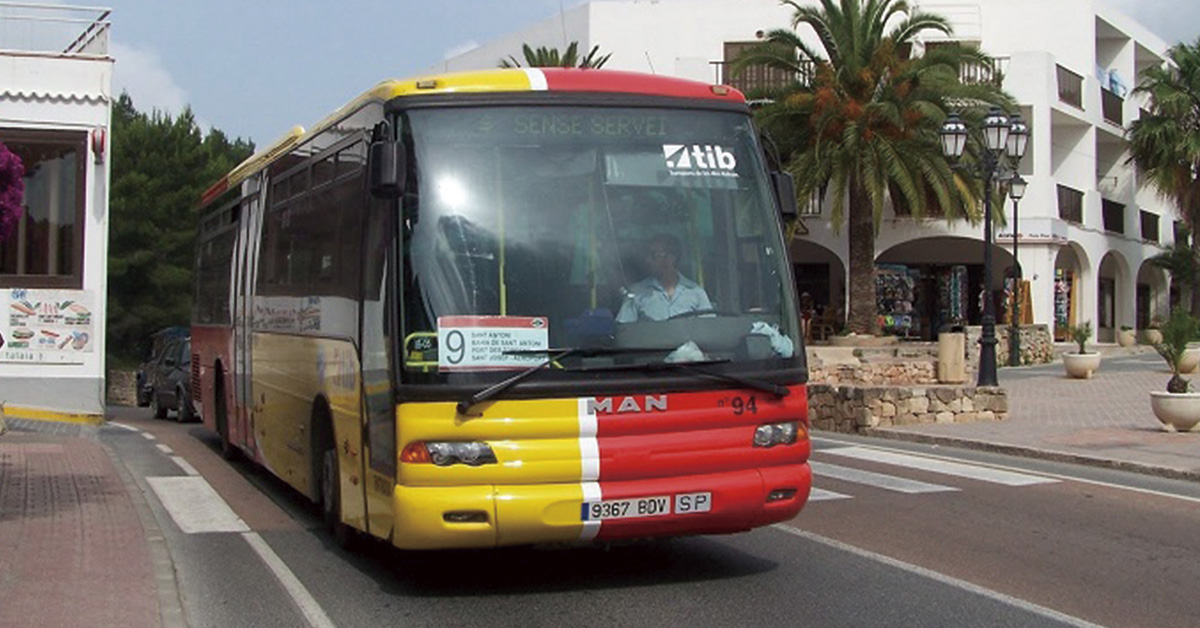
<point>1087,227</point>
<point>55,112</point>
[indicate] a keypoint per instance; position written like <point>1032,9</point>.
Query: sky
<point>256,68</point>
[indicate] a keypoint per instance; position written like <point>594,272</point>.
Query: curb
<point>1033,452</point>
<point>37,414</point>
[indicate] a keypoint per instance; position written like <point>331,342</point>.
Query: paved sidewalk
<point>73,549</point>
<point>1104,421</point>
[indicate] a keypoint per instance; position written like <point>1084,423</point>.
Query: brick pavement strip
<point>1103,421</point>
<point>73,550</point>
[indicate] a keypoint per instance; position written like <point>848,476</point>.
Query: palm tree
<point>544,57</point>
<point>862,120</point>
<point>1181,264</point>
<point>1164,144</point>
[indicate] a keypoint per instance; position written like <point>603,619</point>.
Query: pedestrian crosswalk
<point>903,462</point>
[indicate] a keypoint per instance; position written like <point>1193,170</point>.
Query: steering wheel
<point>704,312</point>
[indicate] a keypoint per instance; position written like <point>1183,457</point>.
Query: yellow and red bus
<point>422,313</point>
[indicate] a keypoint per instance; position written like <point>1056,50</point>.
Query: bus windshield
<point>650,233</point>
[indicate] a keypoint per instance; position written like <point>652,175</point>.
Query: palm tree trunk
<point>863,315</point>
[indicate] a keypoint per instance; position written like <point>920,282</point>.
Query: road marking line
<point>185,465</point>
<point>164,448</point>
<point>195,505</point>
<point>1036,609</point>
<point>822,495</point>
<point>1057,476</point>
<point>123,426</point>
<point>147,435</point>
<point>878,480</point>
<point>945,467</point>
<point>304,600</point>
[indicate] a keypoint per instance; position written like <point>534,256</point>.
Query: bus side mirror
<point>785,193</point>
<point>387,167</point>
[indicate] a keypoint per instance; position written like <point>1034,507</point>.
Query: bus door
<point>242,430</point>
<point>378,378</point>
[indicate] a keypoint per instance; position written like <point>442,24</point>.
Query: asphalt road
<point>896,535</point>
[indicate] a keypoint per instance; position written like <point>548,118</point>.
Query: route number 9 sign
<point>481,343</point>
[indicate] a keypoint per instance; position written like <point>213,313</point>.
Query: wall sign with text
<point>47,326</point>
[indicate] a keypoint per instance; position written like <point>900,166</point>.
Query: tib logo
<point>698,159</point>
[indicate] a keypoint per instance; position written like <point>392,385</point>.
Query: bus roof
<point>482,82</point>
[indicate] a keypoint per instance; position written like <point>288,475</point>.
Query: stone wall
<point>1037,346</point>
<point>122,388</point>
<point>850,409</point>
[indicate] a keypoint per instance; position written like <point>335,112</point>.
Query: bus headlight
<point>773,434</point>
<point>447,453</point>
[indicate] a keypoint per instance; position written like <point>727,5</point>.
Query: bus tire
<point>331,499</point>
<point>328,487</point>
<point>228,451</point>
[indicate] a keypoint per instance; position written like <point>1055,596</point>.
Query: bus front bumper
<point>494,515</point>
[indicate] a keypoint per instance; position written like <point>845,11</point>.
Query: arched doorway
<point>947,283</point>
<point>1112,304</point>
<point>1070,272</point>
<point>820,277</point>
<point>1153,295</point>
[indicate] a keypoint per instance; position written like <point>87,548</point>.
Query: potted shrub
<point>1178,408</point>
<point>1126,337</point>
<point>1151,335</point>
<point>1081,365</point>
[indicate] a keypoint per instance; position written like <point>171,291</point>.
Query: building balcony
<point>53,30</point>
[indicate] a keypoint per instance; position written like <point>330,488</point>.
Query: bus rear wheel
<point>228,451</point>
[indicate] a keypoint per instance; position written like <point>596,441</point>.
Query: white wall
<point>73,94</point>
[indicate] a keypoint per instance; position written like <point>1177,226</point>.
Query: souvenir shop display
<point>952,295</point>
<point>894,299</point>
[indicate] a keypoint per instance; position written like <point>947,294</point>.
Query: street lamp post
<point>1016,190</point>
<point>1002,137</point>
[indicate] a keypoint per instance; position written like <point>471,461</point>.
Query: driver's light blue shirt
<point>648,300</point>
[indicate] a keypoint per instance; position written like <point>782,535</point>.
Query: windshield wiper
<point>464,406</point>
<point>696,367</point>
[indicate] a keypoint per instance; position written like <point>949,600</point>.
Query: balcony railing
<point>1070,87</point>
<point>1070,204</point>
<point>1113,106</point>
<point>989,73</point>
<point>53,29</point>
<point>758,78</point>
<point>1114,216</point>
<point>1149,226</point>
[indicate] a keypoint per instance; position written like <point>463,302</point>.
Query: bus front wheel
<point>331,499</point>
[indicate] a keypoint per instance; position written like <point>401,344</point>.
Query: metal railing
<point>53,29</point>
<point>990,73</point>
<point>1113,106</point>
<point>1070,87</point>
<point>755,79</point>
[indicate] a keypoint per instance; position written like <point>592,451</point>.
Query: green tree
<point>1165,142</point>
<point>160,166</point>
<point>862,118</point>
<point>544,57</point>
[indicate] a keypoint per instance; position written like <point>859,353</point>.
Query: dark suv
<point>164,382</point>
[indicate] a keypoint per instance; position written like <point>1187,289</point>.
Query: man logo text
<point>613,405</point>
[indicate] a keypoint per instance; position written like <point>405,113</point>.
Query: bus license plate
<point>646,507</point>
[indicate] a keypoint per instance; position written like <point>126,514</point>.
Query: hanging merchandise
<point>952,295</point>
<point>894,298</point>
<point>1062,302</point>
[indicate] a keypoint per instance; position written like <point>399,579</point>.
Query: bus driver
<point>666,292</point>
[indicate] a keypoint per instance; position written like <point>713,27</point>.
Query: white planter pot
<point>1190,361</point>
<point>1126,337</point>
<point>1151,336</point>
<point>1179,412</point>
<point>1081,365</point>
